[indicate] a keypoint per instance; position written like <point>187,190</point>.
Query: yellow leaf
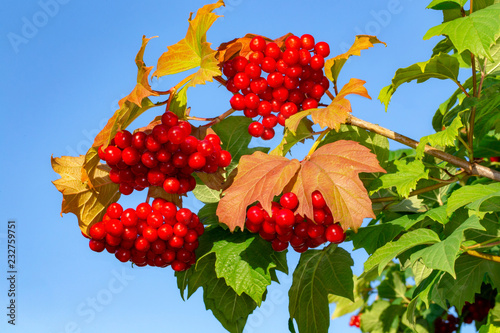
<point>334,65</point>
<point>194,50</point>
<point>143,88</point>
<point>88,204</point>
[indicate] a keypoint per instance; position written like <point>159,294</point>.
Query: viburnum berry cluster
<point>354,321</point>
<point>295,81</point>
<point>284,227</point>
<point>165,157</point>
<point>477,311</point>
<point>446,326</point>
<point>155,235</point>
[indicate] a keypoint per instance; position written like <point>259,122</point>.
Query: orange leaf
<point>143,88</point>
<point>334,170</point>
<point>337,112</point>
<point>260,177</point>
<point>334,65</point>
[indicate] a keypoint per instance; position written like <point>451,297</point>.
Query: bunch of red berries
<point>284,227</point>
<point>295,81</point>
<point>449,325</point>
<point>355,320</point>
<point>155,235</point>
<point>477,311</point>
<point>167,156</point>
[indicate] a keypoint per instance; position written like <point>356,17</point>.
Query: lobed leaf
<point>88,204</point>
<point>143,88</point>
<point>319,273</point>
<point>476,32</point>
<point>260,177</point>
<point>469,194</point>
<point>444,138</point>
<point>193,51</point>
<point>334,170</point>
<point>442,255</point>
<point>389,251</point>
<point>406,178</point>
<point>361,42</point>
<point>302,132</point>
<point>441,66</point>
<point>339,109</point>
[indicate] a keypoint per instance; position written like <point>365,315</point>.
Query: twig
<point>412,193</point>
<point>482,255</point>
<point>471,168</point>
<point>219,118</point>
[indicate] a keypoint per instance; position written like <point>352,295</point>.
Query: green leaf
<point>244,260</point>
<point>207,214</point>
<point>381,317</point>
<point>442,255</point>
<point>233,132</point>
<point>374,236</point>
<point>405,179</point>
<point>446,4</point>
<point>475,32</point>
<point>193,51</point>
<point>178,105</point>
<point>378,144</point>
<point>443,138</point>
<point>441,66</point>
<point>471,194</point>
<point>493,67</point>
<point>205,194</point>
<point>489,329</point>
<point>487,115</point>
<point>319,273</point>
<point>303,131</point>
<point>344,305</point>
<point>393,286</point>
<point>470,272</point>
<point>389,251</point>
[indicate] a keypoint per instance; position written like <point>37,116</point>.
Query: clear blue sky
<point>66,63</point>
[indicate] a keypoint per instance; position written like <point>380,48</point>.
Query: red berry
<point>169,118</point>
<point>289,200</point>
<point>309,103</point>
<point>275,79</point>
<point>307,41</point>
<point>268,133</point>
<point>96,245</point>
<point>123,139</point>
<point>176,242</point>
<point>285,218</point>
<point>239,63</point>
<point>114,227</point>
<point>143,210</point>
<point>272,50</point>
<point>114,210</point>
<point>139,140</point>
<point>237,102</point>
<point>255,215</point>
<point>322,49</point>
<point>278,245</point>
<point>176,135</point>
<point>256,57</point>
<point>183,215</point>
<point>256,129</point>
<point>171,185</point>
<point>317,200</point>
<point>270,121</point>
<point>268,65</point>
<point>258,43</point>
<point>113,155</point>
<point>131,156</point>
<point>97,231</point>
<point>224,159</point>
<point>317,62</point>
<point>241,80</point>
<point>293,42</point>
<point>141,244</point>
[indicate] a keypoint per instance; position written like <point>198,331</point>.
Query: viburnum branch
<point>482,255</point>
<point>413,193</point>
<point>462,88</point>
<point>489,243</point>
<point>316,143</point>
<point>472,117</point>
<point>220,80</point>
<point>329,94</point>
<point>472,169</point>
<point>218,119</point>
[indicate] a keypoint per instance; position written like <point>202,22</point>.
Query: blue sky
<point>66,63</point>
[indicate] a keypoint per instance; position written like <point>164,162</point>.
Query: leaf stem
<point>316,143</point>
<point>220,80</point>
<point>485,256</point>
<point>472,117</point>
<point>462,88</point>
<point>472,169</point>
<point>489,243</point>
